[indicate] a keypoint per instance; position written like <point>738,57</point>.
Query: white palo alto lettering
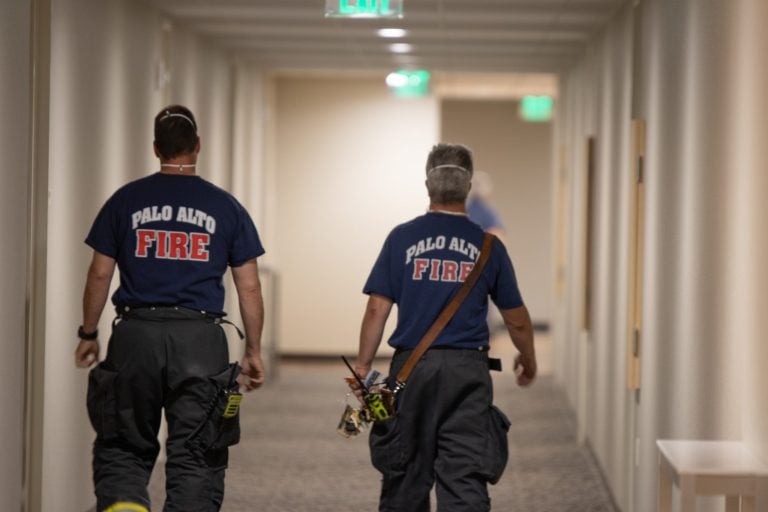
<point>456,244</point>
<point>165,213</point>
<point>151,214</point>
<point>172,245</point>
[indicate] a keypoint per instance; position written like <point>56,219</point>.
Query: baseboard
<point>600,472</point>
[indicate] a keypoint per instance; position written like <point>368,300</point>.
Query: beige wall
<point>349,166</point>
<point>747,296</point>
<point>697,84</point>
<point>516,154</point>
<point>595,102</point>
<point>100,102</point>
<point>14,148</point>
<point>694,385</point>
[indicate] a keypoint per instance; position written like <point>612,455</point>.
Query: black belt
<point>494,364</point>
<point>483,348</point>
<point>160,313</point>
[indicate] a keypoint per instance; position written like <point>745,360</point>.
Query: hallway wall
<point>595,101</point>
<point>747,295</point>
<point>107,71</point>
<point>349,163</point>
<point>14,147</point>
<point>697,84</point>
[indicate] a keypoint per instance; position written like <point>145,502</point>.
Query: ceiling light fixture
<point>397,79</point>
<point>400,48</point>
<point>392,32</point>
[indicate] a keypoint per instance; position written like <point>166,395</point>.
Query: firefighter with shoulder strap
<point>444,432</point>
<point>172,235</point>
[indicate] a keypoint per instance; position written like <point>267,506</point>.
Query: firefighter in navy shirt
<point>172,235</point>
<point>442,432</point>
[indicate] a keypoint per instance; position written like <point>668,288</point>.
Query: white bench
<point>711,468</point>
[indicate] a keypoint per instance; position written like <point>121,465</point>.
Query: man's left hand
<point>87,353</point>
<point>252,374</point>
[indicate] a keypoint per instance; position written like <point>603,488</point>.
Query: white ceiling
<point>449,36</point>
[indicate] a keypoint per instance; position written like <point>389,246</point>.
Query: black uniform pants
<point>158,358</point>
<point>443,434</point>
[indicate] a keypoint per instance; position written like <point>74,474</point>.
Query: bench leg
<point>732,503</point>
<point>687,494</point>
<point>664,498</point>
<point>748,504</point>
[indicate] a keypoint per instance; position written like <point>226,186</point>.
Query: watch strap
<point>87,335</point>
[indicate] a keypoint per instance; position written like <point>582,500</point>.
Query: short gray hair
<point>449,173</point>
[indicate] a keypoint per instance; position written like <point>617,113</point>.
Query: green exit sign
<point>364,8</point>
<point>409,84</point>
<point>536,108</point>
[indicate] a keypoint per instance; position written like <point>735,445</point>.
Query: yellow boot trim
<point>127,506</point>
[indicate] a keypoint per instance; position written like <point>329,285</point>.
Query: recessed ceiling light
<point>392,32</point>
<point>397,79</point>
<point>400,48</point>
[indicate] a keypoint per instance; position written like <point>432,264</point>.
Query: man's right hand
<point>87,353</point>
<point>362,372</point>
<point>525,368</point>
<point>252,375</point>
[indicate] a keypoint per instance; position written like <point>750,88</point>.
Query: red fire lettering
<point>173,245</point>
<point>198,243</point>
<point>450,268</point>
<point>144,239</point>
<point>434,271</point>
<point>162,244</point>
<point>419,266</point>
<point>466,268</point>
<point>177,247</point>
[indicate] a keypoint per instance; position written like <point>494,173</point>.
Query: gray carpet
<point>291,459</point>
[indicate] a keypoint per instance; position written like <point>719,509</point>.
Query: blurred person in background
<point>480,207</point>
<point>481,211</point>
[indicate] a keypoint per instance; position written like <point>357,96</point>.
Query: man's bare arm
<point>375,317</point>
<point>248,285</point>
<point>94,298</point>
<point>520,329</point>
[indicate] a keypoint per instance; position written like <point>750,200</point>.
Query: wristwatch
<point>87,335</point>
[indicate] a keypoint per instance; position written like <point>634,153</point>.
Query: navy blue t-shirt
<point>173,237</point>
<point>423,263</point>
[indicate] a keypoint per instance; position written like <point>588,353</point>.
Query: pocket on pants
<point>388,449</point>
<point>102,402</point>
<point>220,426</point>
<point>498,444</point>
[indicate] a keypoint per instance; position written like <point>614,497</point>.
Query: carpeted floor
<point>292,460</point>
